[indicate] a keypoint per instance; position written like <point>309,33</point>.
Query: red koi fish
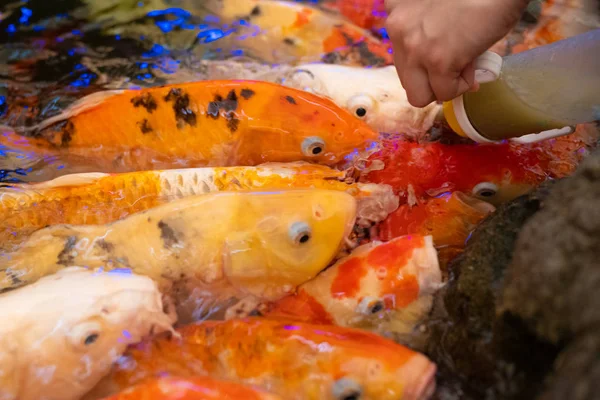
<point>492,172</point>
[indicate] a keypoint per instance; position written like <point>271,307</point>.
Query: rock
<point>520,315</point>
<point>557,260</point>
<point>577,370</point>
<point>488,353</point>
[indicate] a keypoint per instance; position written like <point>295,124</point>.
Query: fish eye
<point>85,334</point>
<point>485,189</point>
<point>360,105</point>
<point>346,389</point>
<point>313,146</point>
<point>300,232</point>
<point>370,305</point>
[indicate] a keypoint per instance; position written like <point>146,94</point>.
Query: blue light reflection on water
<point>3,105</point>
<point>25,15</point>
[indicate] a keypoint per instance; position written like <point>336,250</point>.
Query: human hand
<point>436,41</point>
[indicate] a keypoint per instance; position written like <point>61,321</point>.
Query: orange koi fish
<point>206,123</point>
<point>98,198</point>
<point>449,219</point>
<point>197,388</point>
<point>378,284</point>
<point>295,33</point>
<point>291,359</point>
<point>492,172</point>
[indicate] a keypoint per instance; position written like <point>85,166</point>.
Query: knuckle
<point>439,61</point>
<point>412,44</point>
<point>443,88</point>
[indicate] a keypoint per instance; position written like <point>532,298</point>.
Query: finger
<point>475,87</point>
<point>449,85</point>
<point>391,4</point>
<point>415,81</point>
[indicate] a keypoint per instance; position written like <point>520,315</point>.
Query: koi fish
<point>60,335</point>
<point>379,100</point>
<point>197,388</point>
<point>292,359</point>
<point>368,14</point>
<point>494,173</point>
<point>208,123</point>
<point>560,19</point>
<point>449,219</point>
<point>98,198</point>
<point>379,286</point>
<point>203,250</point>
<point>286,32</point>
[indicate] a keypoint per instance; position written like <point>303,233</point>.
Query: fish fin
<point>22,146</point>
<point>84,104</point>
<point>81,179</point>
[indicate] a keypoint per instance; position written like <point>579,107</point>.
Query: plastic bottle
<point>533,95</point>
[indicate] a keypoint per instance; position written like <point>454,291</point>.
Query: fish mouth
<point>422,373</point>
<point>426,387</point>
<point>365,134</point>
<point>474,203</point>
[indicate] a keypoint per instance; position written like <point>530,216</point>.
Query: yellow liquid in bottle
<point>497,113</point>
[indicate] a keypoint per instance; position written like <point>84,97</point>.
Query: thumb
<point>452,84</point>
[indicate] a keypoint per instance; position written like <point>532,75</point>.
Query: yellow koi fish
<point>203,250</point>
<point>288,32</point>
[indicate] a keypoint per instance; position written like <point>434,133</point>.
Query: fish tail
<point>10,280</point>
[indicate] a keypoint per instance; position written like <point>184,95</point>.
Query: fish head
<point>364,365</point>
<point>294,125</point>
<point>289,238</point>
<point>82,323</point>
<point>379,281</point>
<point>494,173</point>
<point>379,100</point>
